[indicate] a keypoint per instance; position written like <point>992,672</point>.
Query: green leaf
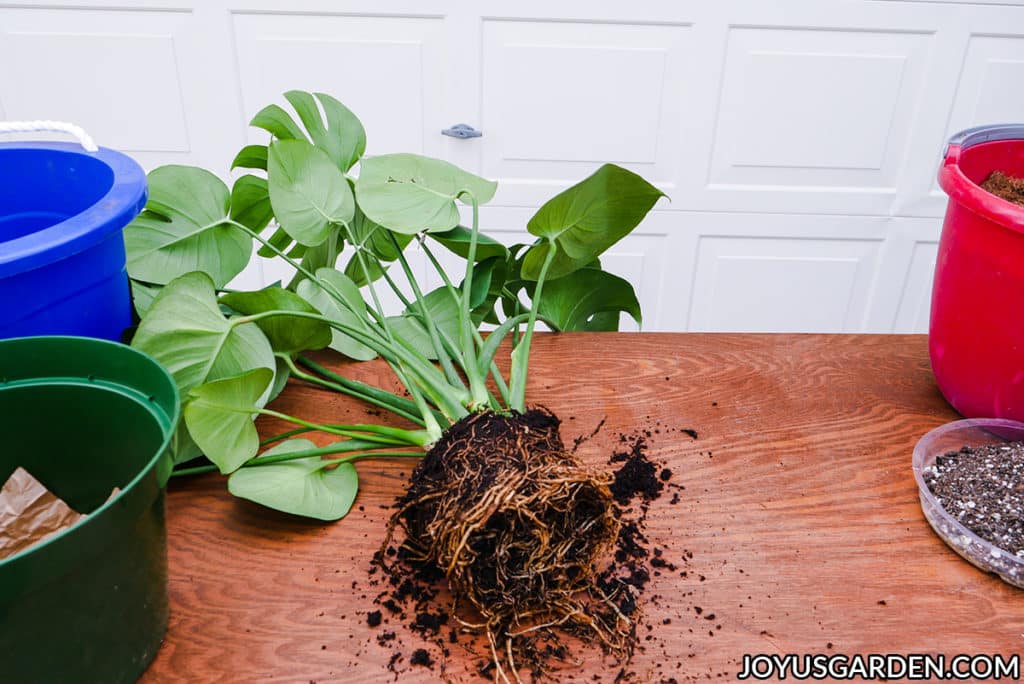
<point>251,157</point>
<point>287,334</point>
<point>342,138</point>
<point>280,239</point>
<point>281,376</point>
<point>488,281</point>
<point>377,240</point>
<point>329,307</point>
<point>219,416</point>
<point>185,331</point>
<point>408,193</point>
<point>143,296</point>
<point>309,194</point>
<point>304,486</point>
<point>589,300</point>
<point>278,123</point>
<point>250,203</point>
<point>182,229</point>
<point>457,240</point>
<point>588,218</point>
<point>411,327</point>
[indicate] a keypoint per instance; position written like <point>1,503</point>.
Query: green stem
<point>499,381</point>
<point>377,434</point>
<point>521,353</point>
<point>374,395</point>
<point>336,448</point>
<point>371,395</point>
<point>477,384</point>
<point>428,319</point>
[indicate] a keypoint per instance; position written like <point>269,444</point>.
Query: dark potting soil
<point>1005,187</point>
<point>983,488</point>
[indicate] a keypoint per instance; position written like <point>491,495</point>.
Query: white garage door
<point>798,139</point>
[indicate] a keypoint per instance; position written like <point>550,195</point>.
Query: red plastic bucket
<point>976,335</point>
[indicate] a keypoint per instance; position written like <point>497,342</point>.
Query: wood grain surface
<point>800,512</point>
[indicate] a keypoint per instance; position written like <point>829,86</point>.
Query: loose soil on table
<point>983,488</point>
<point>1005,187</point>
<point>543,555</point>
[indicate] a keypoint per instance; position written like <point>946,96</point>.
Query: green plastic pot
<point>84,416</point>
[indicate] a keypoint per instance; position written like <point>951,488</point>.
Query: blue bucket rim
<point>112,212</point>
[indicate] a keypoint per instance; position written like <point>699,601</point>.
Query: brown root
<point>519,527</point>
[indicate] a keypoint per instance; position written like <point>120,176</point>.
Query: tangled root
<point>518,526</point>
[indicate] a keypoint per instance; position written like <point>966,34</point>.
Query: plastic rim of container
<point>990,558</point>
<point>969,194</point>
<point>124,200</point>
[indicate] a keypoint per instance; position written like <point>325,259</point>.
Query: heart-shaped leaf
<point>250,202</point>
<point>287,334</point>
<point>305,486</point>
<point>583,221</point>
<point>219,416</point>
<point>332,309</point>
<point>408,193</point>
<point>185,331</point>
<point>308,192</point>
<point>183,229</point>
<point>587,299</point>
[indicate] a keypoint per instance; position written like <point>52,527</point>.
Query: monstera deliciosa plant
<point>515,522</point>
<point>344,233</point>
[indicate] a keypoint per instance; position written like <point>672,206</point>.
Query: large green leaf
<point>305,486</point>
<point>408,193</point>
<point>183,229</point>
<point>250,202</point>
<point>219,416</point>
<point>332,309</point>
<point>457,240</point>
<point>287,334</point>
<point>308,192</point>
<point>342,137</point>
<point>185,331</point>
<point>588,218</point>
<point>588,299</point>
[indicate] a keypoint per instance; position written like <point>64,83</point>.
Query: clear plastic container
<point>951,437</point>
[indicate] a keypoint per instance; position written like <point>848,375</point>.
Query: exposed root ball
<point>518,526</point>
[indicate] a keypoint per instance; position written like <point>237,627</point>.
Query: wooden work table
<point>800,511</point>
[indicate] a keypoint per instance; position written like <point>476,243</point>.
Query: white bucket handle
<point>50,126</point>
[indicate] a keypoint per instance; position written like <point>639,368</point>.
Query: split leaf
<point>305,486</point>
<point>220,414</point>
<point>183,229</point>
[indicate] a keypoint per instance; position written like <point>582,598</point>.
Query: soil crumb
<point>1005,187</point>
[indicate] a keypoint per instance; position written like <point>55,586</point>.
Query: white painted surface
<point>797,139</point>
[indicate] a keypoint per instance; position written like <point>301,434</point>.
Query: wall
<point>798,140</point>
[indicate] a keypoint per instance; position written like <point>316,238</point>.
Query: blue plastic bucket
<point>62,258</point>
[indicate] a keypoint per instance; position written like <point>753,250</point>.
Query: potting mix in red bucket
<point>976,337</point>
